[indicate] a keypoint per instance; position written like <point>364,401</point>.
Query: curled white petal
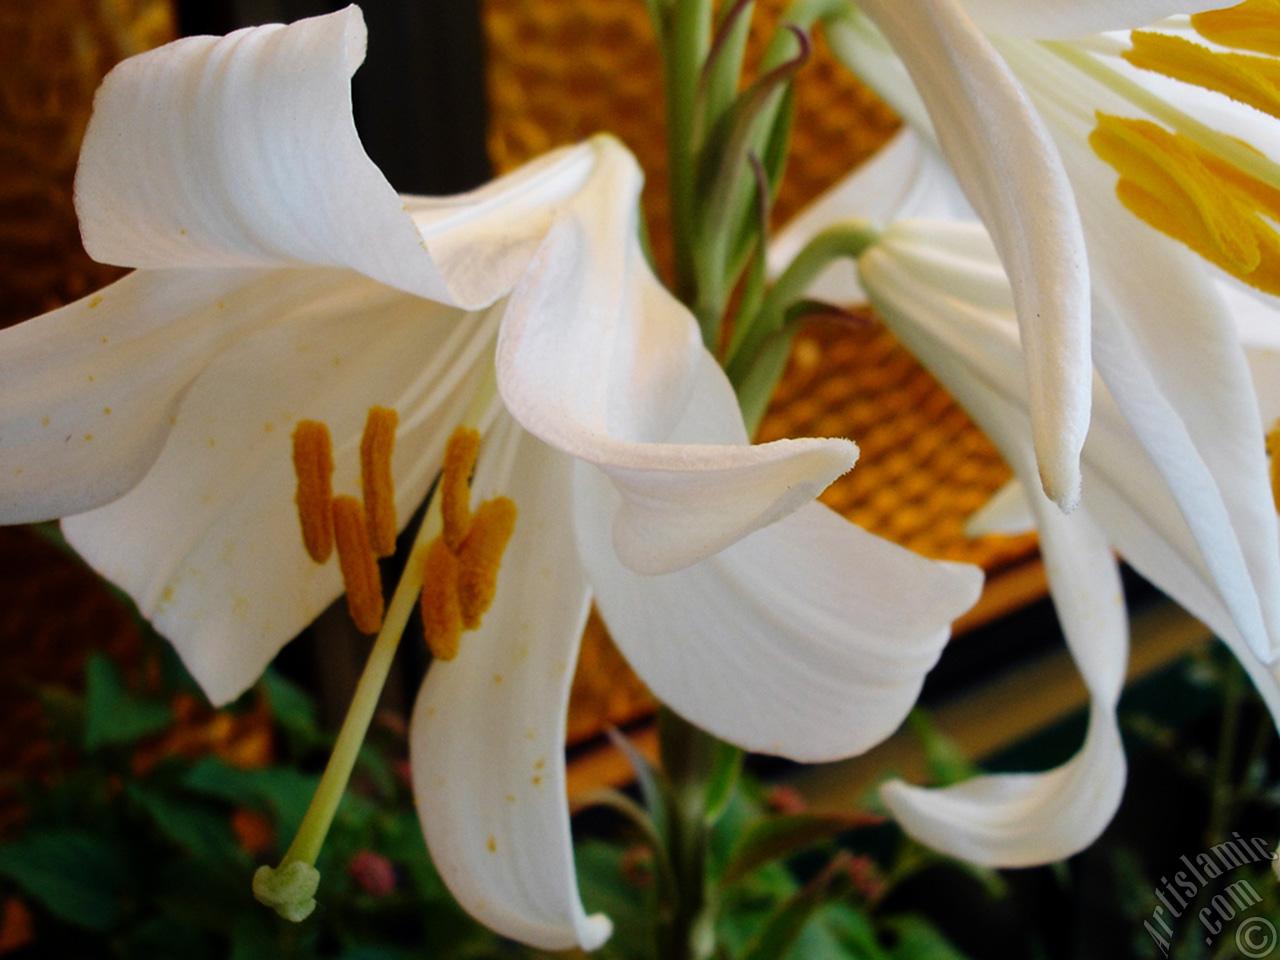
<point>487,739</point>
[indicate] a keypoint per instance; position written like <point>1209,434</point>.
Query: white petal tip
<point>594,931</point>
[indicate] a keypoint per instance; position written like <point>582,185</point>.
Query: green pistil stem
<point>315,826</point>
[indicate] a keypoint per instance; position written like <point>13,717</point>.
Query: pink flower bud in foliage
<point>373,873</point>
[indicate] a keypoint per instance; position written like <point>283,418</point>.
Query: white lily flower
<point>1010,92</point>
<point>940,287</point>
<point>279,277</point>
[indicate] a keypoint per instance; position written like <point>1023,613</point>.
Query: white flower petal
<point>1008,512</point>
<point>598,360</point>
<point>1058,19</point>
<point>1171,358</point>
<point>905,179</point>
<point>487,741</point>
<point>809,638</point>
<point>1017,820</point>
<point>208,543</point>
<point>1005,159</point>
<point>241,151</point>
<point>88,392</point>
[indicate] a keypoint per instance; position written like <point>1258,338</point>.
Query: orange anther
<point>441,615</point>
<point>481,556</point>
<point>359,566</point>
<point>375,479</point>
<point>455,492</point>
<point>313,465</point>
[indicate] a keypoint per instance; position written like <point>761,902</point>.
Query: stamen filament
<point>376,447</point>
<point>1235,152</point>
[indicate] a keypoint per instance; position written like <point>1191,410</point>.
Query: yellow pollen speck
<point>1253,25</point>
<point>104,339</point>
<point>221,305</point>
<point>493,844</point>
<point>1273,451</point>
<point>88,436</point>
<point>268,427</point>
<point>455,494</point>
<point>182,233</point>
<point>536,780</point>
<point>44,421</point>
<point>511,798</point>
<point>497,678</point>
<point>106,410</point>
<point>481,556</point>
<point>542,762</point>
<point>441,615</point>
<point>376,447</point>
<point>313,466</point>
<point>94,302</point>
<point>531,734</point>
<point>91,378</point>
<point>212,443</point>
<point>19,471</point>
<point>167,594</point>
<point>360,573</point>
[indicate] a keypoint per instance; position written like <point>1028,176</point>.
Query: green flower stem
<point>762,342</point>
<point>684,32</point>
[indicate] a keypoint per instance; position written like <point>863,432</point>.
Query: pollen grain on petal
<point>455,491</point>
<point>1253,25</point>
<point>313,465</point>
<point>1273,452</point>
<point>376,447</point>
<point>441,614</point>
<point>360,574</point>
<point>481,556</point>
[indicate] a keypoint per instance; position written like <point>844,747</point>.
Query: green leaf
<point>918,939</point>
<point>202,832</point>
<point>113,715</point>
<point>293,709</point>
<point>778,837</point>
<point>80,878</point>
<point>947,763</point>
<point>781,931</point>
<point>284,791</point>
<point>725,771</point>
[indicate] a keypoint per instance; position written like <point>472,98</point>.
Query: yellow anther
<point>1241,77</point>
<point>360,573</point>
<point>480,557</point>
<point>313,465</point>
<point>375,479</point>
<point>1253,25</point>
<point>1195,197</point>
<point>441,614</point>
<point>1273,451</point>
<point>455,491</point>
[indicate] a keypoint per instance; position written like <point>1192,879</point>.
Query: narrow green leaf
<point>193,826</point>
<point>947,763</point>
<point>79,877</point>
<point>113,715</point>
<point>783,928</point>
<point>918,939</point>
